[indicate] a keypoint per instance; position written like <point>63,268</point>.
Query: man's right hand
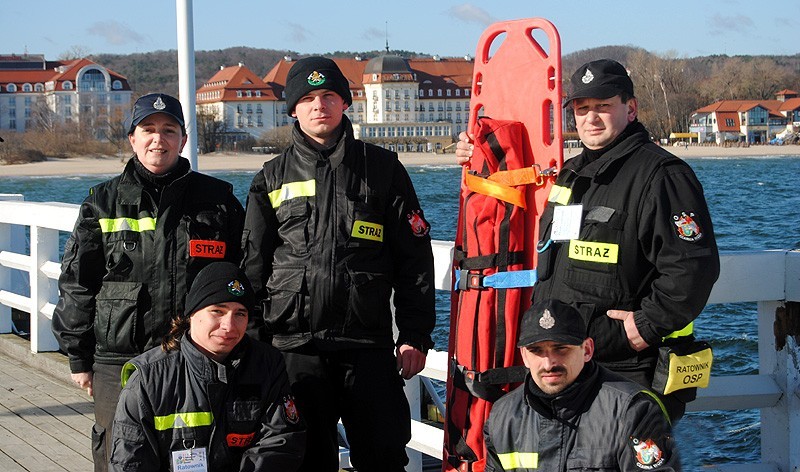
<point>84,380</point>
<point>464,148</point>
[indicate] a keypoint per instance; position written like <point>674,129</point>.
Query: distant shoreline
<point>251,162</point>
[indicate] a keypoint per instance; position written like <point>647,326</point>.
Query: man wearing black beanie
<point>332,227</point>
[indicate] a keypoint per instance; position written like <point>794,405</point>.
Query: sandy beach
<point>247,161</point>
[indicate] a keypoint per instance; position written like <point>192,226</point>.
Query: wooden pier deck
<point>45,423</point>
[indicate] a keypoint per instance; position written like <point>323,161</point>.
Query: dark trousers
<point>106,385</point>
<point>364,389</point>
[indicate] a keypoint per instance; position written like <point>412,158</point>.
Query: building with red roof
<point>403,104</point>
<point>750,121</point>
<point>76,91</point>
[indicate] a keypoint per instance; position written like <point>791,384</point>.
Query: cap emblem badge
<point>316,78</point>
<point>236,288</point>
<point>587,77</point>
<point>547,321</point>
<point>159,104</point>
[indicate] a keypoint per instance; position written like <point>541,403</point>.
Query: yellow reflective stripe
<point>183,420</point>
<point>660,404</point>
<point>519,460</point>
<point>560,195</point>
<point>686,331</point>
<point>367,230</point>
<point>127,370</point>
<point>292,190</point>
<point>604,253</point>
<point>114,225</point>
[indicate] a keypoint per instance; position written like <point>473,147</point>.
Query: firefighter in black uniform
<point>208,395</point>
<point>332,226</point>
<point>139,240</point>
<point>571,413</point>
<point>642,260</point>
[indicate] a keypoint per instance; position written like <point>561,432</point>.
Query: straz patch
<point>648,455</point>
<point>603,253</point>
<point>207,248</point>
<point>687,227</point>
<point>366,230</point>
<point>290,410</point>
<point>239,440</point>
<point>419,227</point>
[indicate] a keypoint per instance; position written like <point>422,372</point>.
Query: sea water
<point>754,203</point>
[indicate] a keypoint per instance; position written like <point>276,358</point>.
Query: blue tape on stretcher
<point>510,279</point>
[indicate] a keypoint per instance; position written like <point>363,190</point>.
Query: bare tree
<point>277,138</point>
<point>116,132</point>
<point>210,130</point>
<point>74,52</point>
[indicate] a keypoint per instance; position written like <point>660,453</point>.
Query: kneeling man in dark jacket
<point>209,398</point>
<point>572,413</point>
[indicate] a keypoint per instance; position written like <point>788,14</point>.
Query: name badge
<point>566,222</point>
<point>193,460</point>
<point>207,248</point>
<point>366,230</point>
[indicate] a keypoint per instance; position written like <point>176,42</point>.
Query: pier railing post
<point>44,290</point>
<point>12,240</point>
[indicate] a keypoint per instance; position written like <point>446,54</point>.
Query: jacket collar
<point>595,163</point>
<point>335,154</point>
<point>570,402</point>
<point>208,369</point>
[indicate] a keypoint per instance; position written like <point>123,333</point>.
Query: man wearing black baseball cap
<point>139,240</point>
<point>642,260</point>
<point>572,411</point>
<point>332,226</point>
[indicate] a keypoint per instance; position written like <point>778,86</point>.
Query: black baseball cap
<point>152,103</point>
<point>551,320</point>
<point>603,78</point>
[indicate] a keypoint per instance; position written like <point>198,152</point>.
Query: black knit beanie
<point>219,282</point>
<point>314,73</point>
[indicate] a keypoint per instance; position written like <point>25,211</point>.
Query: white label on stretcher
<point>566,222</point>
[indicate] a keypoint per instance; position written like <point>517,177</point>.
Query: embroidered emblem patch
<point>648,455</point>
<point>419,227</point>
<point>587,77</point>
<point>159,104</point>
<point>687,227</point>
<point>290,410</point>
<point>547,321</point>
<point>316,78</point>
<point>236,288</point>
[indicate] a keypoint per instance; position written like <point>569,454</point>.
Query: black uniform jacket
<point>130,259</point>
<point>241,411</point>
<point>601,422</point>
<point>646,245</point>
<point>327,238</point>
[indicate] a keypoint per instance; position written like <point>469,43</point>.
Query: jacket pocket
<point>116,322</point>
<point>591,459</point>
<point>368,302</point>
<point>293,217</point>
<point>284,312</point>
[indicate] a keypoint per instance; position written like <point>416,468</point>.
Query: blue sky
<point>448,28</point>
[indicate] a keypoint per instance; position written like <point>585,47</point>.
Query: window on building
<point>68,112</point>
<point>27,88</point>
<point>439,94</point>
<point>258,93</point>
<point>430,92</point>
<point>249,94</point>
<point>449,92</point>
<point>11,88</point>
<point>249,108</point>
<point>466,92</point>
<point>729,122</point>
<point>238,94</point>
<point>92,81</point>
<point>116,85</point>
<point>458,92</point>
<point>258,108</point>
<point>38,88</point>
<point>67,85</point>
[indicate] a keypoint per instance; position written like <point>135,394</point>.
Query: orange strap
<point>513,178</point>
<point>496,190</point>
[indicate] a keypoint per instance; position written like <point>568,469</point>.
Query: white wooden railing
<point>769,278</point>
